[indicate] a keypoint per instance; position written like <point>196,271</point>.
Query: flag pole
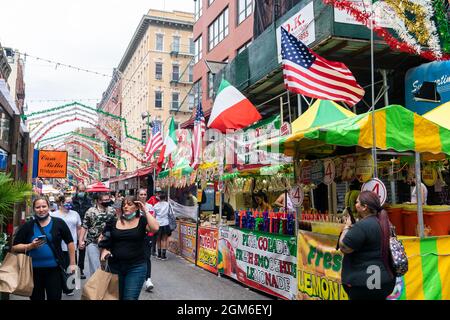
<point>374,147</point>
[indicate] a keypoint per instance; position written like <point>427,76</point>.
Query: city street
<point>178,279</point>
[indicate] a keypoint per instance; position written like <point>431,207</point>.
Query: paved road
<point>177,279</point>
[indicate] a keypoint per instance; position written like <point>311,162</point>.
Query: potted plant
<point>11,192</point>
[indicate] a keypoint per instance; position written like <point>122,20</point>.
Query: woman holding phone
<point>41,238</point>
<point>366,269</point>
<point>123,245</point>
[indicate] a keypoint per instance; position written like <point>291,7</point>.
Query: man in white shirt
<point>424,193</point>
<point>73,221</point>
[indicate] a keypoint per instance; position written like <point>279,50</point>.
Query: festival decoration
<point>423,10</point>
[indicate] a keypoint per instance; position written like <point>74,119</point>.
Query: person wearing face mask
<point>123,245</point>
<point>73,221</point>
<point>81,203</point>
<point>93,224</point>
<point>37,237</point>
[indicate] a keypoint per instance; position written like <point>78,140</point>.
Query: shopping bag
<point>102,285</point>
<point>16,275</point>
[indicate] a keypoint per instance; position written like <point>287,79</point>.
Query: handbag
<point>102,285</point>
<point>16,275</point>
<point>64,275</point>
<point>172,220</point>
<point>399,259</point>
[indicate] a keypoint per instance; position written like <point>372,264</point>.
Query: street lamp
<point>146,115</point>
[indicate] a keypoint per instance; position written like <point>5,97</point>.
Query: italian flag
<point>231,109</point>
<point>171,140</point>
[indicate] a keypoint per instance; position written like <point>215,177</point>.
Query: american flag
<point>308,74</point>
<point>199,131</point>
<point>155,140</point>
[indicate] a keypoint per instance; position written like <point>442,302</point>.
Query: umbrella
<point>98,187</point>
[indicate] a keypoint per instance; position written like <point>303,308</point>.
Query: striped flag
<point>199,131</point>
<point>308,74</point>
<point>154,141</point>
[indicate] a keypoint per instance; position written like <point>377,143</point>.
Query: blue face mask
<point>68,206</point>
<point>130,216</point>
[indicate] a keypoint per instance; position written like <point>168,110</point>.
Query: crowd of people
<point>122,233</point>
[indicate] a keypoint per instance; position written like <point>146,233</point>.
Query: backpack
<point>399,259</point>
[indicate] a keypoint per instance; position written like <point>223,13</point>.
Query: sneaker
<point>164,258</point>
<point>82,276</point>
<point>158,257</point>
<point>70,294</point>
<point>148,285</point>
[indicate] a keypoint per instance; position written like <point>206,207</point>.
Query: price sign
<point>330,172</point>
<point>297,196</point>
<point>377,186</point>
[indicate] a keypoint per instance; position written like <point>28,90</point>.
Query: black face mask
<point>107,203</point>
<point>41,218</point>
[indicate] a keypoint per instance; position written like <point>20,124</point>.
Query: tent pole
<point>374,147</point>
<point>281,110</point>
<point>289,107</point>
<point>419,196</point>
<point>299,105</point>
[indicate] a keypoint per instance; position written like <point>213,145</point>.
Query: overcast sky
<point>90,34</point>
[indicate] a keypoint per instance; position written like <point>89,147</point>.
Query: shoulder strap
<point>50,244</point>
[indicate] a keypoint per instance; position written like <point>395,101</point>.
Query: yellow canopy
<point>440,115</point>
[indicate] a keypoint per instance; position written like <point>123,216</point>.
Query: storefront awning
<point>138,173</point>
<point>397,129</point>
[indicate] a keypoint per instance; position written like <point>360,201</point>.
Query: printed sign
<point>364,167</point>
<point>429,175</point>
<point>301,25</point>
<point>208,246</point>
<point>285,129</point>
<point>52,164</point>
<point>381,9</point>
<point>329,172</point>
<point>263,261</point>
<point>377,186</point>
<point>317,172</point>
<point>297,196</point>
<point>188,238</point>
<point>305,172</point>
<point>319,267</point>
<point>348,169</point>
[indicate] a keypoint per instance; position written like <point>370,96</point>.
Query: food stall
<point>399,132</point>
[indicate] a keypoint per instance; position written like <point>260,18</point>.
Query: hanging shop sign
<point>297,195</point>
<point>52,164</point>
<point>263,261</point>
<point>429,175</point>
<point>348,168</point>
<point>188,239</point>
<point>364,167</point>
<point>319,267</point>
<point>208,248</point>
<point>329,171</point>
<point>305,172</point>
<point>301,25</point>
<point>317,173</point>
<point>380,8</point>
<point>246,143</point>
<point>377,186</point>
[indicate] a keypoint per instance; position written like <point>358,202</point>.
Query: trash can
<point>437,218</point>
<point>395,216</point>
<point>410,220</point>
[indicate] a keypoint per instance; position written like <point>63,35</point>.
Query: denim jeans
<point>93,253</point>
<point>131,279</point>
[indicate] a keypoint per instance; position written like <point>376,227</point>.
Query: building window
<point>245,8</point>
<point>191,46</point>
<point>198,49</point>
<point>175,101</point>
<point>191,101</point>
<point>158,70</point>
<point>198,9</point>
<point>144,135</point>
<point>218,30</point>
<point>175,72</point>
<point>158,99</point>
<point>159,42</point>
<point>191,73</point>
<point>197,90</point>
<point>245,46</point>
<point>210,85</point>
<point>176,44</point>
